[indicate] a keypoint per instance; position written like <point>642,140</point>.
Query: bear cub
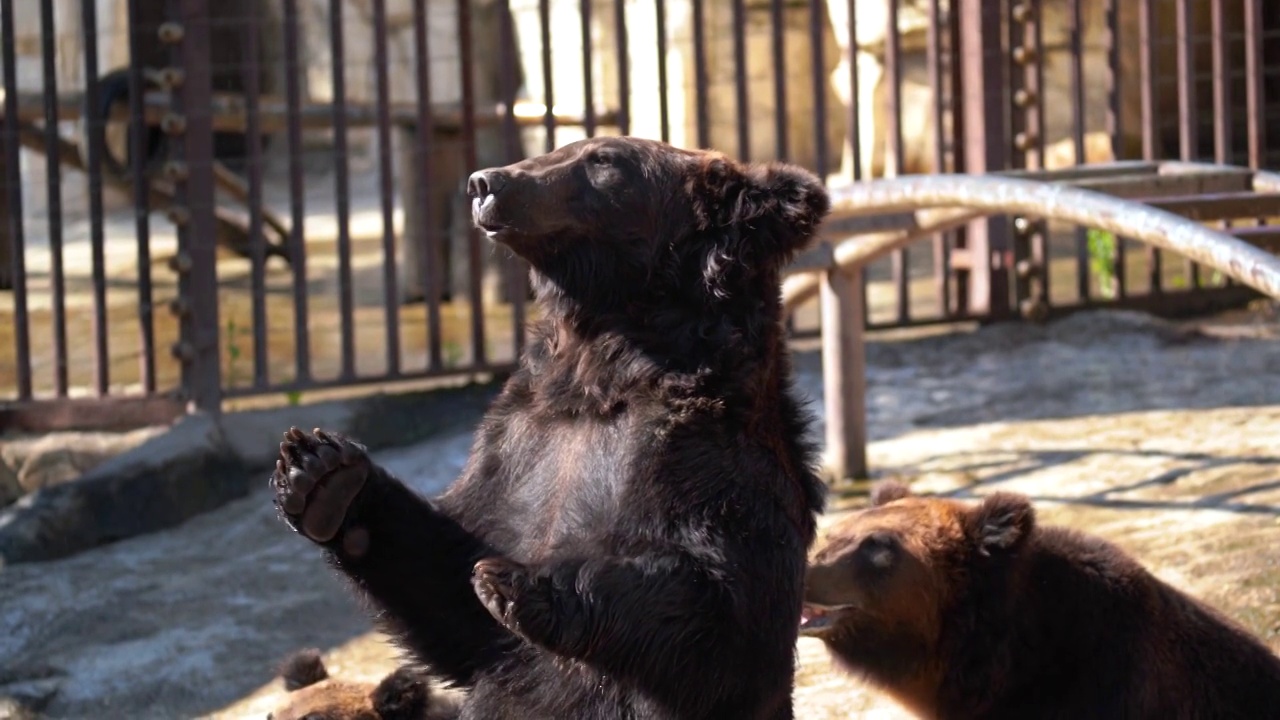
<point>403,695</point>
<point>966,611</point>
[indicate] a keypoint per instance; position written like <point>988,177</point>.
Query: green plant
<point>1102,260</point>
<point>293,397</point>
<point>452,353</point>
<point>233,351</point>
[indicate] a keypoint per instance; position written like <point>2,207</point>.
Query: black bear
<point>628,538</point>
<point>403,695</point>
<point>965,611</point>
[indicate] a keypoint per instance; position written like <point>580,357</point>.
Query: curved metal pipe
<point>949,200</point>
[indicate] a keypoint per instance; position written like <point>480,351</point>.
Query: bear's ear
<point>786,201</point>
<point>888,491</point>
<point>776,204</point>
<point>303,668</point>
<point>1002,523</point>
<point>402,695</point>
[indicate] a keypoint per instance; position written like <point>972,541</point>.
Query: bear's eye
<point>603,158</point>
<point>878,550</point>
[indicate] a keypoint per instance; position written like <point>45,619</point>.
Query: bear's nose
<point>486,182</point>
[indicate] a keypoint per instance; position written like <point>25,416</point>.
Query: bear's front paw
<point>316,479</point>
<point>510,593</point>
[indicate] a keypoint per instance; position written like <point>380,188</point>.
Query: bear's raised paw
<point>316,479</point>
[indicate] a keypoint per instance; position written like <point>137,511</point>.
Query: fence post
<point>985,110</point>
<point>190,121</point>
<point>844,372</point>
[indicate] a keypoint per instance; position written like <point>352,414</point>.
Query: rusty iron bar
<point>548,80</point>
<point>297,193</point>
<point>1188,115</point>
<point>624,70</point>
<point>342,187</point>
<point>743,119</point>
<point>424,165</point>
<point>53,175</point>
<point>818,12</point>
<point>1077,137</point>
<point>664,109</point>
<point>986,146</point>
<point>901,266</point>
<point>588,84</point>
<point>702,119</point>
<point>1255,81</point>
<point>141,205</point>
<point>517,270</point>
<point>475,256</point>
<point>1222,115</point>
<point>1155,261</point>
<point>1230,256</point>
<point>93,165</point>
<point>386,188</point>
<point>13,188</point>
<point>1112,18</point>
<point>197,240</point>
<point>854,122</point>
<point>257,245</point>
<point>941,252</point>
<point>777,15</point>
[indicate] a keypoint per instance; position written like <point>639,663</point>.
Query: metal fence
<point>209,201</point>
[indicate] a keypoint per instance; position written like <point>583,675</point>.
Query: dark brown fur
<point>966,611</point>
<point>403,695</point>
<point>628,537</point>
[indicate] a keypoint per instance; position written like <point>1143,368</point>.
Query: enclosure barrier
<point>203,203</point>
<point>885,215</point>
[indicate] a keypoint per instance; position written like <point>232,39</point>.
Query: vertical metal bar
<point>386,187</point>
<point>141,188</point>
<point>202,374</point>
<point>960,238</point>
<point>1221,86</point>
<point>342,185</point>
<point>624,70</point>
<point>700,76</point>
<point>893,109</point>
<point>1188,118</point>
<point>13,188</point>
<point>818,12</point>
<point>519,272</point>
<point>778,18</point>
<point>588,82</point>
<point>476,260</point>
<point>941,273</point>
<point>1114,130</point>
<point>986,145</point>
<point>1077,131</point>
<point>664,110</point>
<point>743,119</point>
<point>424,139</point>
<point>257,246</point>
<point>1040,240</point>
<point>53,170</point>
<point>93,163</point>
<point>297,193</point>
<point>1255,79</point>
<point>855,122</point>
<point>1155,261</point>
<point>548,84</point>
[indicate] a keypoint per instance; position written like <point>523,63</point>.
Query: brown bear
<point>628,537</point>
<point>964,611</point>
<point>403,695</point>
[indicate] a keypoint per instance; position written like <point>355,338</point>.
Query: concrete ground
<point>1150,434</point>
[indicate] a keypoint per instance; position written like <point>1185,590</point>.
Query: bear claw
<point>496,583</point>
<point>316,479</point>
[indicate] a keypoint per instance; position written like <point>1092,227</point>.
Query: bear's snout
<point>483,183</point>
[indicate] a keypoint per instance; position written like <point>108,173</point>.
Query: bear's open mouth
<point>816,619</point>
